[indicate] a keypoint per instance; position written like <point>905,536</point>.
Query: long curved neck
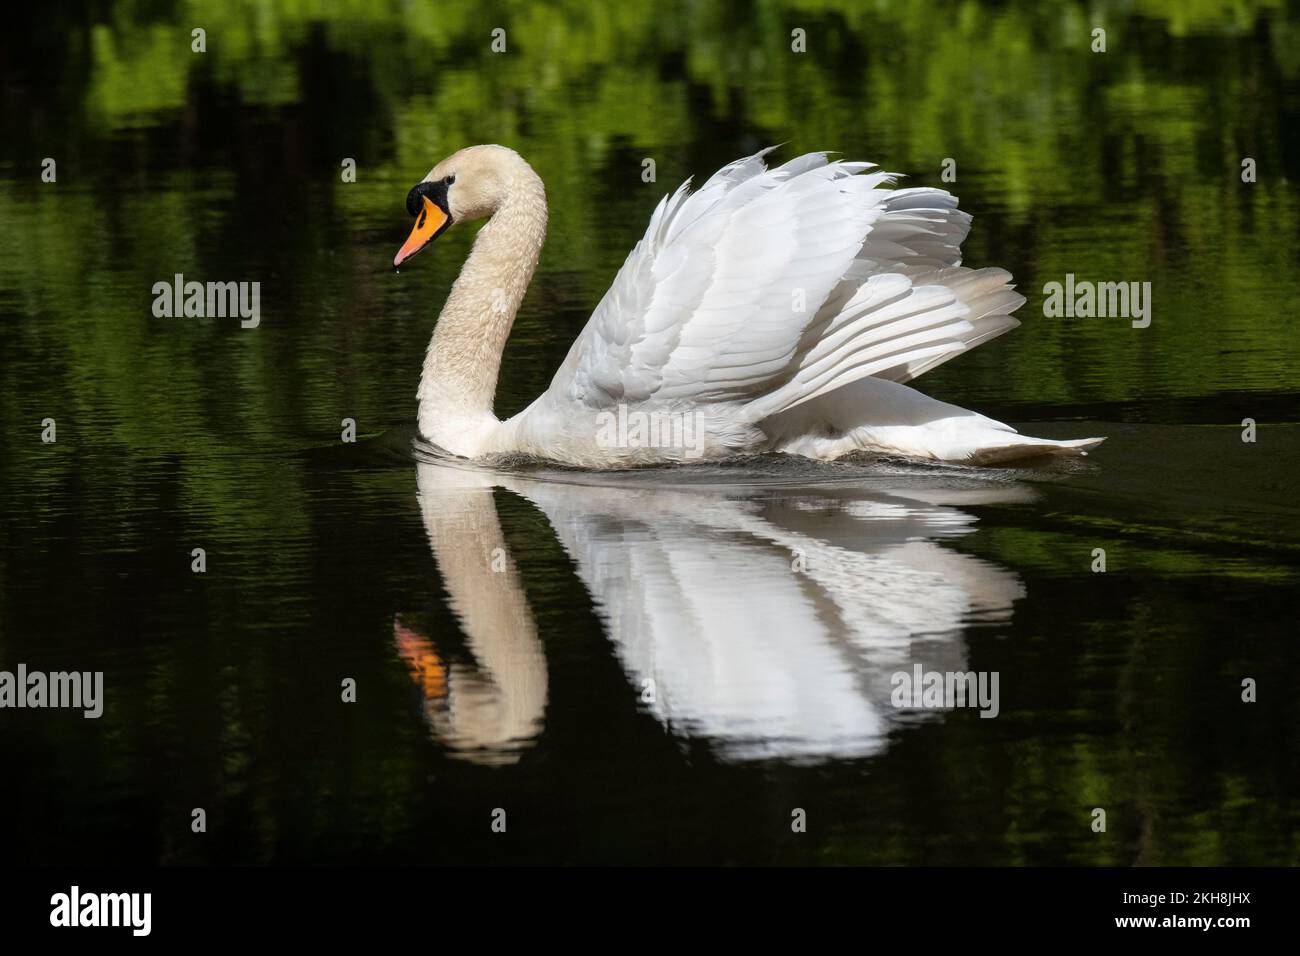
<point>460,369</point>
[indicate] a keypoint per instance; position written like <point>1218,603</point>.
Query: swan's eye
<point>435,190</point>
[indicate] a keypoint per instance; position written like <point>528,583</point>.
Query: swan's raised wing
<point>767,287</point>
<point>704,308</point>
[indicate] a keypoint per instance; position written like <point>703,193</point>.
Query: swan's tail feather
<point>874,414</point>
<point>1022,447</point>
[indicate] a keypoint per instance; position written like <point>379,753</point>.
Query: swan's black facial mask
<point>427,202</point>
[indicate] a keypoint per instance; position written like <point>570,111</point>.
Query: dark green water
<point>521,685</point>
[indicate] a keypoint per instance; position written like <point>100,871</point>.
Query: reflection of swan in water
<point>765,617</point>
<point>482,711</point>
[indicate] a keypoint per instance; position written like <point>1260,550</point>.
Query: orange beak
<point>428,226</point>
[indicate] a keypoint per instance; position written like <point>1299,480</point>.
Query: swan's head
<point>471,183</point>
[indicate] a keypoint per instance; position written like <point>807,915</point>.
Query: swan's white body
<point>772,310</point>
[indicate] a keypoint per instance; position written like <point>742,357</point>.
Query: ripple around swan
<point>771,469</point>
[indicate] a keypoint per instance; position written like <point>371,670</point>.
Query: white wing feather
<point>767,288</point>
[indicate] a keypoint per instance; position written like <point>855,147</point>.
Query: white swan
<point>772,310</point>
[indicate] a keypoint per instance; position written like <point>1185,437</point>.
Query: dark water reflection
<point>524,687</point>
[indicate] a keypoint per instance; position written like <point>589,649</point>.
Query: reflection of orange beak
<point>427,668</point>
<point>428,226</point>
